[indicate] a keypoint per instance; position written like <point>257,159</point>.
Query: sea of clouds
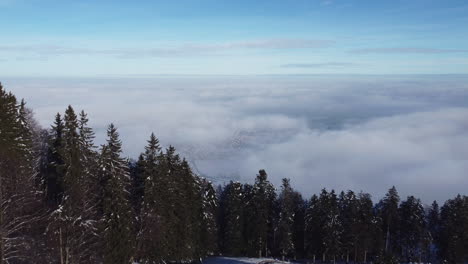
<point>333,131</point>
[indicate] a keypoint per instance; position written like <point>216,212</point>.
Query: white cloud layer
<point>34,51</point>
<point>343,132</point>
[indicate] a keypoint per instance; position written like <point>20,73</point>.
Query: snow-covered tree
<point>286,219</point>
<point>116,223</point>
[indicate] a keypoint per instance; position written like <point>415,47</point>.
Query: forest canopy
<point>66,200</point>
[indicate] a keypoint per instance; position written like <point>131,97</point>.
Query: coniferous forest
<point>65,200</point>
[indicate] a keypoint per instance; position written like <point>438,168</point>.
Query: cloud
<point>343,132</point>
<point>407,51</point>
<point>326,2</point>
<point>185,49</point>
<point>317,65</point>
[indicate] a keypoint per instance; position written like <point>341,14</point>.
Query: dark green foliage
<point>453,237</point>
<point>231,226</point>
<point>388,212</point>
<point>433,226</point>
<point>116,222</point>
<point>298,225</point>
<point>413,233</point>
<point>264,196</point>
<point>349,217</point>
<point>286,220</point>
<point>53,175</point>
<point>209,227</point>
<point>21,210</point>
<point>323,226</point>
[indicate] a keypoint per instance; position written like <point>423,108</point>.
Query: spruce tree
<point>313,228</point>
<point>73,222</point>
<point>286,220</point>
<point>20,206</point>
<point>412,229</point>
<point>332,226</point>
<point>54,169</point>
<point>366,228</point>
<point>232,219</point>
<point>116,223</point>
<point>388,211</point>
<point>151,236</point>
<point>299,225</point>
<point>264,198</point>
<point>433,224</point>
<point>454,230</point>
<point>209,227</point>
<point>349,206</point>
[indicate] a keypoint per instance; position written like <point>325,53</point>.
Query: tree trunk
<point>355,253</point>
<point>365,256</point>
<point>323,257</point>
<point>347,257</point>
<point>387,238</point>
<point>62,259</point>
<point>1,223</point>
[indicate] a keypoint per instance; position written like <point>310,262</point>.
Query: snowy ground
<point>227,260</point>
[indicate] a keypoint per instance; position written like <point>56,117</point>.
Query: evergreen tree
<point>209,227</point>
<point>349,206</point>
<point>231,223</point>
<point>264,198</point>
<point>433,224</point>
<point>73,223</point>
<point>388,211</point>
<point>412,229</point>
<point>453,238</point>
<point>298,225</point>
<point>367,228</point>
<point>20,207</point>
<point>137,189</point>
<point>313,228</point>
<point>249,221</point>
<point>54,168</point>
<point>286,220</point>
<point>116,224</point>
<point>332,226</point>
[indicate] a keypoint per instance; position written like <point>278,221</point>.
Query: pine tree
<point>412,229</point>
<point>209,227</point>
<point>264,198</point>
<point>231,224</point>
<point>366,227</point>
<point>388,210</point>
<point>332,226</point>
<point>313,229</point>
<point>116,226</point>
<point>299,225</point>
<point>53,173</point>
<point>151,236</point>
<point>433,224</point>
<point>20,207</point>
<point>249,221</point>
<point>454,230</point>
<point>73,223</point>
<point>137,189</point>
<point>286,220</point>
<point>349,206</point>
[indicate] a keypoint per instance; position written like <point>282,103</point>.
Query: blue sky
<point>95,38</point>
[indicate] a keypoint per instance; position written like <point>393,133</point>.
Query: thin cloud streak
<point>317,65</point>
<point>407,51</point>
<point>186,49</point>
